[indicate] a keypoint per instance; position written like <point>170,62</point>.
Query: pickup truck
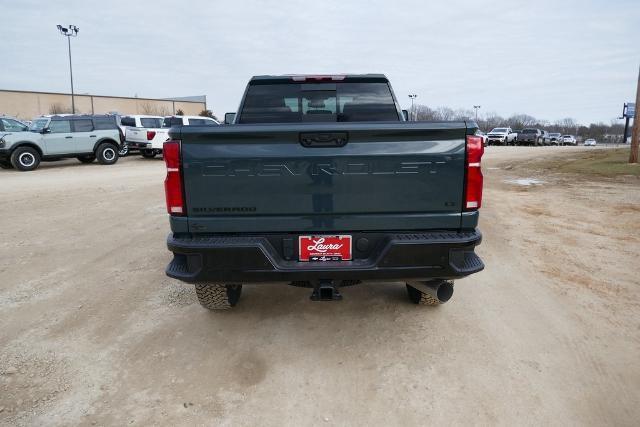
<point>501,136</point>
<point>319,182</point>
<point>530,136</point>
<point>149,140</point>
<point>131,124</point>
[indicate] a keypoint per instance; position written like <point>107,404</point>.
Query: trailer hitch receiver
<point>325,290</point>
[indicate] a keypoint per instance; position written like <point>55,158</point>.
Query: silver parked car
<point>86,138</point>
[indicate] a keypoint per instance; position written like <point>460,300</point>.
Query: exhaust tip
<point>432,292</point>
<point>444,292</point>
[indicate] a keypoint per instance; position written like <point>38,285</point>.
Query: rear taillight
<point>151,134</point>
<point>473,184</point>
<point>173,181</point>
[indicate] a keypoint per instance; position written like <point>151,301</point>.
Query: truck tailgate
<point>136,134</point>
<point>323,177</point>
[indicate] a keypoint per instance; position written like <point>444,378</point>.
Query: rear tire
<point>107,153</point>
<point>124,150</point>
<point>148,154</point>
<point>87,159</point>
<point>218,297</point>
<point>5,165</point>
<point>25,159</point>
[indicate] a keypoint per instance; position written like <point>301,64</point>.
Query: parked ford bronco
<point>319,181</point>
<point>58,137</point>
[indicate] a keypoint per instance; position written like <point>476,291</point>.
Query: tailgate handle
<point>324,139</point>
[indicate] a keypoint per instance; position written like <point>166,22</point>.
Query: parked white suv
<point>568,140</point>
<point>149,140</point>
<point>502,136</point>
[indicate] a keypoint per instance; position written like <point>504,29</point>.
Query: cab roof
<point>290,78</point>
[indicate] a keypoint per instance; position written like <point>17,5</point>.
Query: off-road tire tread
<point>426,299</point>
<point>217,297</point>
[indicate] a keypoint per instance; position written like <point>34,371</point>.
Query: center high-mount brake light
<point>151,134</point>
<point>173,181</point>
<point>319,77</point>
<point>473,180</point>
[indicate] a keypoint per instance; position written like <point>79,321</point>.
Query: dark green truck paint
<point>250,190</point>
<point>388,176</point>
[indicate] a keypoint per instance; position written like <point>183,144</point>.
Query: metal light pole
<point>413,111</point>
<point>68,32</point>
<point>476,107</point>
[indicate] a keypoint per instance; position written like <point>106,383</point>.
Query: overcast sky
<point>551,59</point>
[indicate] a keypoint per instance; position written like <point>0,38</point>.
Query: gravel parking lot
<point>94,333</point>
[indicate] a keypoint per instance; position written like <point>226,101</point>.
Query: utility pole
<point>68,32</point>
<point>413,111</point>
<point>476,107</point>
<point>635,133</point>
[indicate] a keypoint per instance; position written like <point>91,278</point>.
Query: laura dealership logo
<point>319,246</point>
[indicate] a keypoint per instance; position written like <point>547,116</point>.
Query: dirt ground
<point>93,333</point>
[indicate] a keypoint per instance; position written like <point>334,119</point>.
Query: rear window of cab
<point>318,102</point>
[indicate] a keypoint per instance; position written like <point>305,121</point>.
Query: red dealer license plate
<point>325,248</point>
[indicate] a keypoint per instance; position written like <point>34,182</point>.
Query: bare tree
<point>491,121</point>
<point>445,113</point>
<point>422,112</point>
<point>153,110</point>
<point>519,121</point>
<point>147,108</point>
<point>565,126</point>
<point>463,114</point>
